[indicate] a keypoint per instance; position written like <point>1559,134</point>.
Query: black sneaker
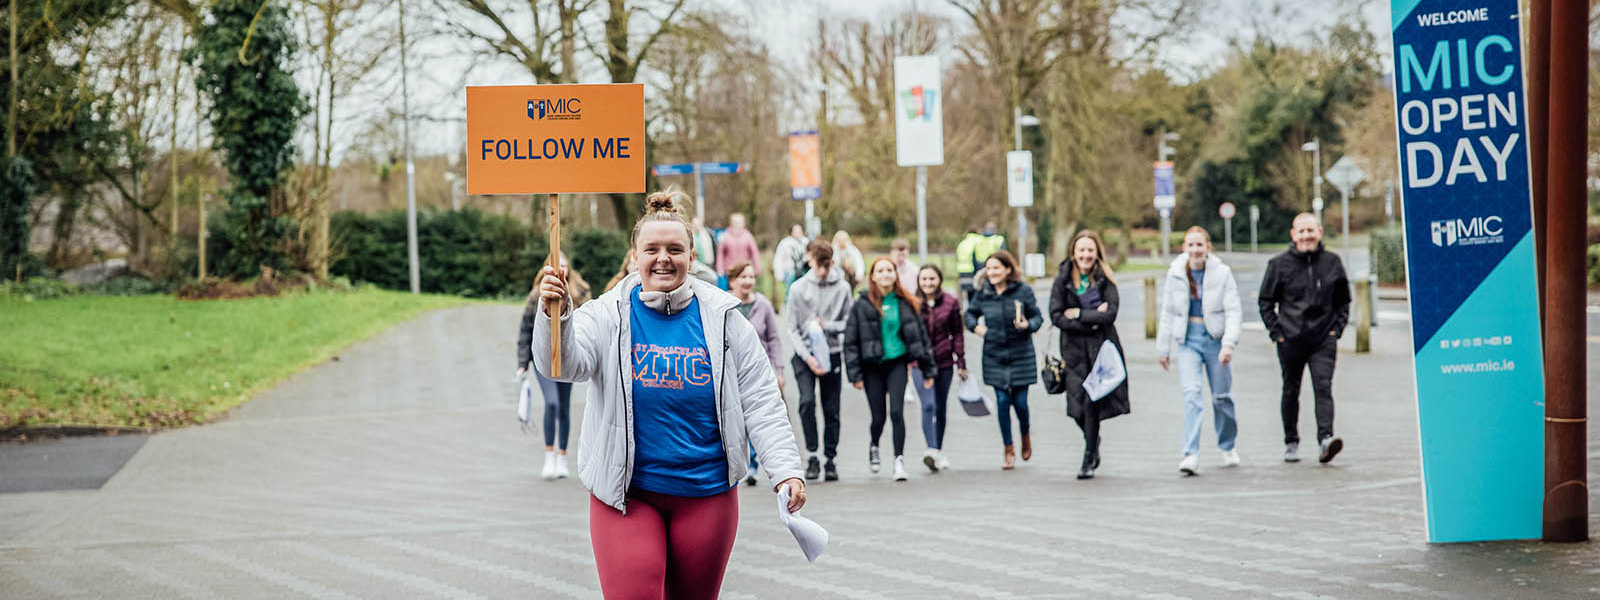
<point>749,479</point>
<point>872,458</point>
<point>830,472</point>
<point>813,469</point>
<point>1330,448</point>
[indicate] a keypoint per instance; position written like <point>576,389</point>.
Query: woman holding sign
<point>1083,305</point>
<point>679,384</point>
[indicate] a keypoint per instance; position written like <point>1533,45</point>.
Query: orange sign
<point>555,139</point>
<point>805,165</point>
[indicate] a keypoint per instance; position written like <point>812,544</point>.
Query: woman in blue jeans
<point>557,394</point>
<point>1009,314</point>
<point>1200,316</point>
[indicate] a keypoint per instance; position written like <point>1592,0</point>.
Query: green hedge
<point>466,252</point>
<point>1389,256</point>
<point>1594,265</point>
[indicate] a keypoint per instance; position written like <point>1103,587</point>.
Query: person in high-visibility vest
<point>973,251</point>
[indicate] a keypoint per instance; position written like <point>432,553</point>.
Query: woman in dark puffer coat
<point>1010,315</point>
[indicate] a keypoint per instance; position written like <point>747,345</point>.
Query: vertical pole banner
<point>1463,146</point>
<point>805,165</point>
<point>919,114</point>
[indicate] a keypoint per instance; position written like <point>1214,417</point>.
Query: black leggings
<point>886,388</point>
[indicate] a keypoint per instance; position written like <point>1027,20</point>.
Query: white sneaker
<point>1190,465</point>
<point>930,457</point>
<point>900,473</point>
<point>549,471</point>
<point>561,466</point>
<point>941,462</point>
<point>872,459</point>
<point>1230,458</point>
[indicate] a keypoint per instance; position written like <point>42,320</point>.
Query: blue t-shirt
<point>678,444</point>
<point>1199,277</point>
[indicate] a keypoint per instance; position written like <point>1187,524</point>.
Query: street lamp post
<point>1164,152</point>
<point>1315,148</point>
<point>1017,121</point>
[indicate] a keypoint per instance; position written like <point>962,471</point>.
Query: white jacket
<point>596,347</point>
<point>1219,300</point>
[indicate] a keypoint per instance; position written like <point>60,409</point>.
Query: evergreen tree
<point>244,51</point>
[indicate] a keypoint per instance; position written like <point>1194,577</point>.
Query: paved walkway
<point>399,471</point>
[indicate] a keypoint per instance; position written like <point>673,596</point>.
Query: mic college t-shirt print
<point>678,439</point>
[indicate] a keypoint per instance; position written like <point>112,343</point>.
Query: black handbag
<point>1054,374</point>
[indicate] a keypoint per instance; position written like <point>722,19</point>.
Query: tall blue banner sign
<point>1460,112</point>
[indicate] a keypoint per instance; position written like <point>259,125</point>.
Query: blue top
<point>1199,277</point>
<point>678,443</point>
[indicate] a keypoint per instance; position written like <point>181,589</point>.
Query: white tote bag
<point>972,399</point>
<point>525,401</point>
<point>819,346</point>
<point>1107,373</point>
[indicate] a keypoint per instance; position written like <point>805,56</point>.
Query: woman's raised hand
<point>553,286</point>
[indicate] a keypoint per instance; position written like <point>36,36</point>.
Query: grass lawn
<point>154,361</point>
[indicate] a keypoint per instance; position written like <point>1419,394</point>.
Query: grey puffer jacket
<point>596,346</point>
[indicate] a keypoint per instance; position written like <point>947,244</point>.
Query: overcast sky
<point>789,26</point>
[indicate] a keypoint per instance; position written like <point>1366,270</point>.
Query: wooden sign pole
<point>553,208</point>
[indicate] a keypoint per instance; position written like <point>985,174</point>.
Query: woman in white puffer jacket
<point>1200,317</point>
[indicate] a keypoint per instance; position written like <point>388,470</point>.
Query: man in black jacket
<point>1305,304</point>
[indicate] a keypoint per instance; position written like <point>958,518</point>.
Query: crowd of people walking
<point>889,328</point>
<point>686,367</point>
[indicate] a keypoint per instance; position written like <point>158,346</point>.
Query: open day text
<point>1453,66</point>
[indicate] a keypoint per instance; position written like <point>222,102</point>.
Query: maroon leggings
<point>665,547</point>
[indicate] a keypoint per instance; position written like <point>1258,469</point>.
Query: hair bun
<point>669,201</point>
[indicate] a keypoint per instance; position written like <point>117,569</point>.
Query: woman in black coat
<point>1010,316</point>
<point>883,336</point>
<point>1083,305</point>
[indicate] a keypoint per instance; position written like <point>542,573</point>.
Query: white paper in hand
<point>1107,373</point>
<point>525,402</point>
<point>819,345</point>
<point>811,536</point>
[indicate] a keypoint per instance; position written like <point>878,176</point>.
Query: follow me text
<point>553,148</point>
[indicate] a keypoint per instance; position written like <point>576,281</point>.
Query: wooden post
<point>1566,501</point>
<point>553,207</point>
<point>1150,308</point>
<point>1363,315</point>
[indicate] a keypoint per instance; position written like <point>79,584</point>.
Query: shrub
<point>1389,256</point>
<point>1594,265</point>
<point>466,252</point>
<point>596,253</point>
<point>128,285</point>
<point>38,288</point>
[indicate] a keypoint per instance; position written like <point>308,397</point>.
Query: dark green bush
<point>596,253</point>
<point>1389,256</point>
<point>128,285</point>
<point>466,252</point>
<point>38,288</point>
<point>1594,265</point>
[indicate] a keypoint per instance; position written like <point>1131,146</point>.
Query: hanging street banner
<point>1463,142</point>
<point>1166,194</point>
<point>805,165</point>
<point>1019,178</point>
<point>555,139</point>
<point>919,112</point>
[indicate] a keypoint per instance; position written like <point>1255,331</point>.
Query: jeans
<point>886,391</point>
<point>934,402</point>
<point>1198,361</point>
<point>807,382</point>
<point>1005,399</point>
<point>1294,357</point>
<point>557,410</point>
